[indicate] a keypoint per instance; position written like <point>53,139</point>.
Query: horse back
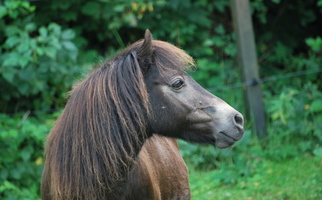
<point>160,172</point>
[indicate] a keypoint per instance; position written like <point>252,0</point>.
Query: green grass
<point>296,179</point>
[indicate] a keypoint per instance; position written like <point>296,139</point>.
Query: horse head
<point>181,108</point>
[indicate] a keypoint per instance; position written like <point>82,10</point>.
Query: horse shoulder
<point>160,172</point>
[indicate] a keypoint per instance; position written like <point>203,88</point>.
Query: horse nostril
<point>239,121</point>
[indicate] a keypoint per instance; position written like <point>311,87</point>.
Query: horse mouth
<point>223,140</point>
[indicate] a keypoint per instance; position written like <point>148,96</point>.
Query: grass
<point>295,179</point>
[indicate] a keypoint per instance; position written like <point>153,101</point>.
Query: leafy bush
<point>289,135</point>
<point>21,155</point>
<point>37,64</point>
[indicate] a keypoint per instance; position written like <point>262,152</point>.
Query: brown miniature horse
<point>114,138</point>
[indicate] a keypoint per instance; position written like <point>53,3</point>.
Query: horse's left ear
<point>145,51</point>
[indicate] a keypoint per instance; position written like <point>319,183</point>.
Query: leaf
<point>43,31</point>
<point>230,50</point>
<point>11,42</point>
<point>220,30</point>
<point>68,34</point>
<point>11,60</point>
<point>15,173</point>
<point>69,16</point>
<point>23,61</point>
<point>318,152</point>
<point>23,89</point>
<point>39,51</point>
<point>69,46</point>
<point>91,8</point>
<point>316,106</point>
<point>218,42</point>
<point>198,16</point>
<point>175,3</point>
<point>12,30</point>
<point>119,8</point>
<point>55,28</point>
<point>24,46</point>
<point>4,174</point>
<point>30,27</point>
<point>26,74</point>
<point>3,11</point>
<point>319,3</point>
<point>282,51</point>
<point>26,153</point>
<point>51,52</point>
<point>314,43</point>
<point>6,185</point>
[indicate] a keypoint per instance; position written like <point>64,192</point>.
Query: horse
<point>116,137</point>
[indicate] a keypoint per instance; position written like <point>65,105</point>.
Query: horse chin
<point>224,140</point>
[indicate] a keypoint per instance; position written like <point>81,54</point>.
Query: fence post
<point>247,56</point>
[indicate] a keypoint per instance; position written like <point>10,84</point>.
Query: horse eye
<point>177,84</point>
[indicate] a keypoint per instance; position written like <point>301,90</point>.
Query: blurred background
<point>47,46</point>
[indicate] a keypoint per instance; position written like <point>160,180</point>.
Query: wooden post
<point>247,56</point>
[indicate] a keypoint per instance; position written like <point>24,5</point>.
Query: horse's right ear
<point>145,51</point>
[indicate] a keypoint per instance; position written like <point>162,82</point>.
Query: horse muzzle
<point>228,125</point>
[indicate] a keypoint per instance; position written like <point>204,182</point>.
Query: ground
<point>296,179</point>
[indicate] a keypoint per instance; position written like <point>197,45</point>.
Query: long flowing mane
<point>93,145</point>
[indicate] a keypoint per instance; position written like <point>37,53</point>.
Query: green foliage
<point>105,25</point>
<point>36,63</point>
<point>21,155</point>
<point>99,23</point>
<point>289,135</point>
<point>314,43</point>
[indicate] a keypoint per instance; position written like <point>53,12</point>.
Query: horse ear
<point>145,51</point>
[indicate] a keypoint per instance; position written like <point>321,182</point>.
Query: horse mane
<point>95,141</point>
